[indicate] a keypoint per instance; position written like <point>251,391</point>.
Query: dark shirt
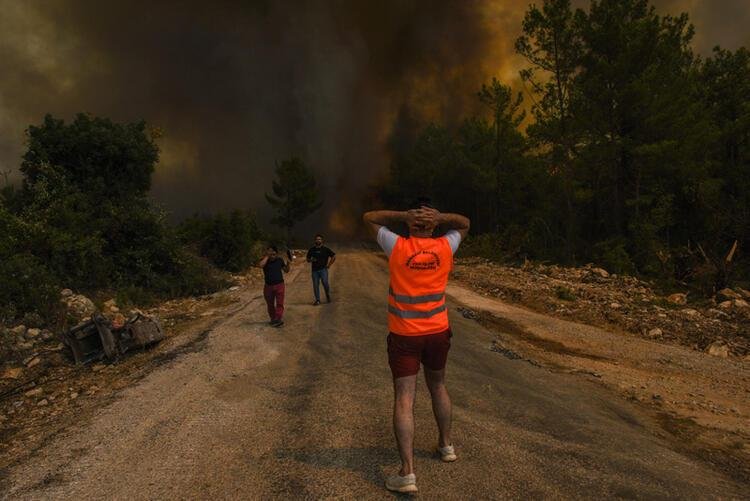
<point>272,271</point>
<point>319,256</point>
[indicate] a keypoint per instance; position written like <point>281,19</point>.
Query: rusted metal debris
<point>98,339</point>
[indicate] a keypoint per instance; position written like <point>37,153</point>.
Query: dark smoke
<point>236,86</point>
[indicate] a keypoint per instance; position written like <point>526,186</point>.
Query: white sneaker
<point>397,483</point>
<point>447,453</point>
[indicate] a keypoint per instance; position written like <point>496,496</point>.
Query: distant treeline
<point>637,155</point>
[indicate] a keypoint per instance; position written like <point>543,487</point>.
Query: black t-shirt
<point>272,271</point>
<point>320,256</point>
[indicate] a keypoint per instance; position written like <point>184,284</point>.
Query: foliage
<point>295,195</point>
<point>488,245</point>
<point>82,220</point>
<point>27,284</point>
<point>638,156</point>
<point>226,240</point>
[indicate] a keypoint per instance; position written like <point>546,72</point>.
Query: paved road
<point>304,412</point>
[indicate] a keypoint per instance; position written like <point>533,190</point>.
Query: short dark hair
<point>318,235</point>
<point>273,248</point>
<point>421,201</point>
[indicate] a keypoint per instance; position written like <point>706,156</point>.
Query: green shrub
<point>613,256</point>
<point>225,239</point>
<point>27,287</point>
<point>487,245</point>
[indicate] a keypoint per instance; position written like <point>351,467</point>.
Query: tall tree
<point>636,106</point>
<point>295,194</point>
<point>103,159</point>
<point>552,46</point>
<point>506,118</point>
<point>724,85</point>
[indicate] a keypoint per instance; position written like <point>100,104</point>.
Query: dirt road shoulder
<point>701,402</point>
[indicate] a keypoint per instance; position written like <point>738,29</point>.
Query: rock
<point>25,345</point>
<point>66,293</point>
<point>677,298</point>
<point>718,349</point>
<point>73,396</point>
<point>656,332</point>
<point>47,335</point>
<point>690,312</point>
<point>19,330</point>
<point>98,367</point>
<point>34,392</point>
<point>727,295</point>
<point>79,307</point>
<point>740,303</point>
<point>742,292</point>
<point>600,272</point>
<point>34,361</point>
<point>42,402</point>
<point>12,373</point>
<point>725,305</point>
<point>717,313</point>
<point>234,288</point>
<point>615,306</point>
<point>32,333</point>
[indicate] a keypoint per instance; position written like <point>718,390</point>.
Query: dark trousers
<point>274,295</point>
<point>317,277</point>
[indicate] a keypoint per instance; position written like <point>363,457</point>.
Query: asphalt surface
<point>304,412</point>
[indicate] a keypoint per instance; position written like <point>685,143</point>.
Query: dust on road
<point>305,412</point>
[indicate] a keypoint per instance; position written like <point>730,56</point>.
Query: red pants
<point>274,295</point>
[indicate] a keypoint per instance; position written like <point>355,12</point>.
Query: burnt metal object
<point>139,332</point>
<point>96,339</point>
<point>91,340</point>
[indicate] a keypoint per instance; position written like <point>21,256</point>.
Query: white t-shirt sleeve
<point>387,240</point>
<point>454,240</point>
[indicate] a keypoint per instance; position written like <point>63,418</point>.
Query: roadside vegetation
<point>82,220</point>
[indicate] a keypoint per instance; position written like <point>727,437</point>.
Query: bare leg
<point>441,404</point>
<point>403,420</point>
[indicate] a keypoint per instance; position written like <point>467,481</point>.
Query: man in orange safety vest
<point>418,321</point>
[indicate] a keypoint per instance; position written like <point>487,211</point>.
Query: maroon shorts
<point>405,353</point>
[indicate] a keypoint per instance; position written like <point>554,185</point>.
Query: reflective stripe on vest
<point>429,298</point>
<point>415,314</point>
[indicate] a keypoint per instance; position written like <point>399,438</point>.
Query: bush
<point>226,240</point>
<point>27,287</point>
<point>26,284</point>
<point>82,220</point>
<point>613,256</point>
<point>487,245</point>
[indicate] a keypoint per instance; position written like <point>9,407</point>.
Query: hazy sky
<point>238,85</point>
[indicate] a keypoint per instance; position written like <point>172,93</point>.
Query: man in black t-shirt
<point>273,291</point>
<point>321,258</point>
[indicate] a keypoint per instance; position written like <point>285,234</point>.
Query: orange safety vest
<point>416,298</point>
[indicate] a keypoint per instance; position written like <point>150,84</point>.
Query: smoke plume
<point>236,86</point>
